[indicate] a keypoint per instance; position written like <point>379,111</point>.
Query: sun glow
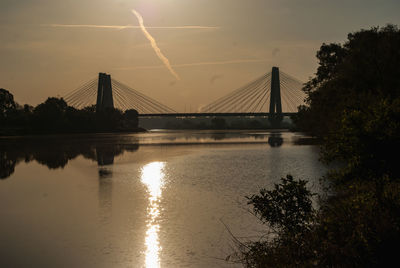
<point>153,178</point>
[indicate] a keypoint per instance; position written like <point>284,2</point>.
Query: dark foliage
<point>354,109</point>
<point>359,226</point>
<point>350,76</point>
<point>287,207</point>
<point>288,212</point>
<point>7,104</point>
<point>55,116</point>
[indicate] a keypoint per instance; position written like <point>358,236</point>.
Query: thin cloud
<point>195,64</point>
<point>154,45</point>
<point>218,63</point>
<point>123,27</point>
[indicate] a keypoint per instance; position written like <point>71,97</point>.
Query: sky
<point>190,53</point>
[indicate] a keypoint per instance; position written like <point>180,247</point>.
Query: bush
<point>289,215</point>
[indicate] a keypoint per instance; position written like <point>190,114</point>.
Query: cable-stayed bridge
<point>274,94</point>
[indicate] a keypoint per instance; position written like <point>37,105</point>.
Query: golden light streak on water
<point>153,177</point>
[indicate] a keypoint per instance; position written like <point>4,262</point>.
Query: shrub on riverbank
<point>356,227</point>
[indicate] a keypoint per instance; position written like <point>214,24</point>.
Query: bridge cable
<point>155,104</point>
<point>79,88</point>
<point>214,106</point>
<point>233,100</point>
<point>139,100</point>
<point>81,96</point>
<point>132,100</point>
<point>267,89</point>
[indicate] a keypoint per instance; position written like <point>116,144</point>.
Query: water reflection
<point>105,197</point>
<point>55,152</point>
<point>153,178</point>
<point>275,140</point>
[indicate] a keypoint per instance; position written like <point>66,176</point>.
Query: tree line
<point>56,116</point>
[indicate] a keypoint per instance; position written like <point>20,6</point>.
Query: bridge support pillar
<point>104,92</point>
<point>275,107</point>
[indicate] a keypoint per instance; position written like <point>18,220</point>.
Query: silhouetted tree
<point>288,211</point>
<point>131,118</point>
<point>55,116</point>
<point>50,115</point>
<point>7,104</point>
<point>353,75</point>
<point>109,119</point>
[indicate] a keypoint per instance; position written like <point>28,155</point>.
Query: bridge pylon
<point>275,106</point>
<point>104,92</point>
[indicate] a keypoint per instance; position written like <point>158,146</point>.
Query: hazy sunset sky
<point>50,47</point>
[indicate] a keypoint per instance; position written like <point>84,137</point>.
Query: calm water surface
<point>157,199</point>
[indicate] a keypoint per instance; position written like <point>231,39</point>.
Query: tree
<point>367,140</point>
<point>109,119</point>
<point>131,118</point>
<point>55,116</point>
<point>288,213</point>
<point>50,115</point>
<point>7,103</point>
<point>353,75</point>
<point>287,207</point>
<point>353,103</point>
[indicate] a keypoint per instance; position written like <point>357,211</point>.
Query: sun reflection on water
<point>153,178</point>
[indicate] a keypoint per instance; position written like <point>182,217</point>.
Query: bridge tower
<point>104,92</point>
<point>275,106</point>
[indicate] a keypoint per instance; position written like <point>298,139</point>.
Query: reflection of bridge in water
<point>55,152</point>
<point>273,95</point>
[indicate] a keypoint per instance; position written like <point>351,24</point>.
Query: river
<point>156,199</point>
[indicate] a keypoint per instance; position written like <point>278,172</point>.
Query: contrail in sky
<point>122,27</point>
<point>154,45</point>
